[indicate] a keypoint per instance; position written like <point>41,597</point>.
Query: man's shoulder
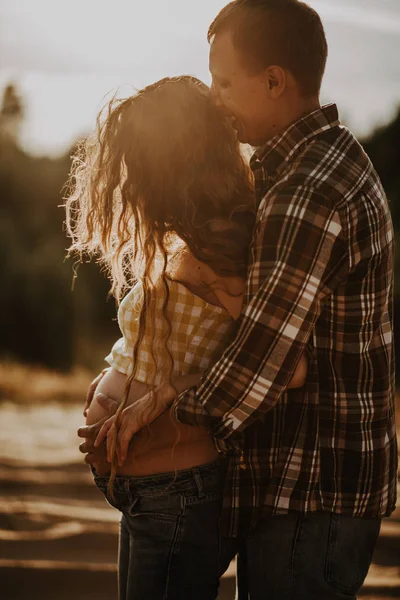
<point>334,165</point>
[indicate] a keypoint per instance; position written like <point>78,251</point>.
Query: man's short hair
<point>286,33</point>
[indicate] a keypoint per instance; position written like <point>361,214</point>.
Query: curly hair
<point>163,166</point>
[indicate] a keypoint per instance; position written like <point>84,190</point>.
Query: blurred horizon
<point>65,58</point>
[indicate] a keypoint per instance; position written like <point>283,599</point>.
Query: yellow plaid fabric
<point>199,333</point>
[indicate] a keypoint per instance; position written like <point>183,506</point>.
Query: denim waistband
<point>181,480</point>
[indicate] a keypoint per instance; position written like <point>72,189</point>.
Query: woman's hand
<point>133,418</point>
<point>90,432</point>
<point>140,413</point>
<point>92,389</point>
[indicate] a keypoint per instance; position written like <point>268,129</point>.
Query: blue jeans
<point>312,556</point>
<point>170,547</point>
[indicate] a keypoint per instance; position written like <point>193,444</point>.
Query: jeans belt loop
<point>199,482</point>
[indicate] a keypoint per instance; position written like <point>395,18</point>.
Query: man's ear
<point>275,81</point>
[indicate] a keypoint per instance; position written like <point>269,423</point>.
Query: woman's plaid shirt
<point>199,333</point>
<point>320,280</point>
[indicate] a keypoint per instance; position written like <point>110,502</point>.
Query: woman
<point>163,196</point>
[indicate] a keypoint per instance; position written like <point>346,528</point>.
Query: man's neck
<point>295,111</point>
<point>303,108</point>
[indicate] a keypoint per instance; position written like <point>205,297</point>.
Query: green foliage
<point>42,320</point>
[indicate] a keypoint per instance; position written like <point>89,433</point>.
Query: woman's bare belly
<point>165,445</point>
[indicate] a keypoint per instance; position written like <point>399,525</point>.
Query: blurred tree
<point>41,320</point>
<point>11,117</point>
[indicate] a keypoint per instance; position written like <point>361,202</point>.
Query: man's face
<point>243,98</point>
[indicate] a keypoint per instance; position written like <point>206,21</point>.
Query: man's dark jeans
<point>314,556</point>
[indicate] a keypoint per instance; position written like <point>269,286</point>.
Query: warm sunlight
<point>66,56</point>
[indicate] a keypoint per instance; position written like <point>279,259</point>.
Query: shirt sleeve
<point>298,258</point>
<point>121,357</point>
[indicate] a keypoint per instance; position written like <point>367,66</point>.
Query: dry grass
<point>35,385</point>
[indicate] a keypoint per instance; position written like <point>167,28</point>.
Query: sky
<point>66,56</point>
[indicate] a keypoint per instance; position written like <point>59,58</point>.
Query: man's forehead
<point>224,59</point>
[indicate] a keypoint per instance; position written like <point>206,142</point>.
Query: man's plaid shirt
<point>320,281</point>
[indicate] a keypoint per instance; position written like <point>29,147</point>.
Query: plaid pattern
<point>199,334</point>
<point>320,280</point>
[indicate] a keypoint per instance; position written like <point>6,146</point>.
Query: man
<point>312,471</point>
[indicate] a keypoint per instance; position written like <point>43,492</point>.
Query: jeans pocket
<point>164,507</point>
<point>351,544</point>
<point>116,501</point>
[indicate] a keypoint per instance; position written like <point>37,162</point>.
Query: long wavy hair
<point>163,166</point>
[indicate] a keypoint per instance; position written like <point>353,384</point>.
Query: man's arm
<point>298,259</point>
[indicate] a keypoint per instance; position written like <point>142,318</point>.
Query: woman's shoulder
<point>201,280</point>
<point>131,303</point>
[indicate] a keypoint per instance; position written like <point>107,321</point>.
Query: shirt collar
<point>281,148</point>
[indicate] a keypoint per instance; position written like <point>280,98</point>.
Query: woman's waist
<point>210,472</point>
<point>166,431</point>
<point>181,457</point>
<point>167,445</point>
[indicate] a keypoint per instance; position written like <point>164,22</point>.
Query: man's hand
<point>91,390</point>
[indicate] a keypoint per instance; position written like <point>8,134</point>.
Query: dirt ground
<point>58,537</point>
